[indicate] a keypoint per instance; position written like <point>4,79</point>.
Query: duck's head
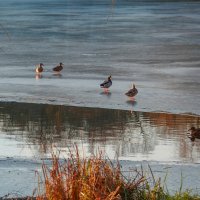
<point>192,129</point>
<point>61,64</point>
<point>41,64</point>
<point>110,77</point>
<point>133,85</point>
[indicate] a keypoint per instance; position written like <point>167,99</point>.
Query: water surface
<point>30,131</point>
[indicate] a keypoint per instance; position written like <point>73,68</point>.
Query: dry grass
<point>96,178</point>
<point>89,179</point>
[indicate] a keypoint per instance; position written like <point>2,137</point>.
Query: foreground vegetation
<point>96,178</point>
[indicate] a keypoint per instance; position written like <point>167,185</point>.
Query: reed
<point>97,178</point>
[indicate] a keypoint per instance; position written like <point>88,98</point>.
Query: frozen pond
<point>155,44</point>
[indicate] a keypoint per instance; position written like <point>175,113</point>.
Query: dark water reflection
<point>29,130</point>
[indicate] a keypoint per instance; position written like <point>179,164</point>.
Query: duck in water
<point>194,133</point>
<point>58,68</point>
<point>132,92</point>
<point>106,84</point>
<point>39,69</point>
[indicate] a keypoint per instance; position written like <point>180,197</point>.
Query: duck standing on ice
<point>58,68</point>
<point>39,69</point>
<point>132,92</point>
<point>106,84</point>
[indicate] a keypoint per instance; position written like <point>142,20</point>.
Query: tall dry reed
<point>96,178</point>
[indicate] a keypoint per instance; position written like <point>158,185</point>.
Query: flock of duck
<point>40,69</point>
<point>105,85</point>
<point>193,132</point>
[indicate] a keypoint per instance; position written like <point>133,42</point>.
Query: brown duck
<point>194,133</point>
<point>132,92</point>
<point>39,69</point>
<point>58,68</point>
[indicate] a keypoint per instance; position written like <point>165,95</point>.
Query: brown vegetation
<point>94,178</point>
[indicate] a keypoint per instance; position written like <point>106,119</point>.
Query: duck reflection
<point>38,76</point>
<point>106,93</point>
<point>120,132</point>
<point>131,102</point>
<point>58,75</point>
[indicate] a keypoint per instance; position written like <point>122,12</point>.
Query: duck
<point>107,83</point>
<point>132,92</point>
<point>39,69</point>
<point>58,68</point>
<point>194,133</point>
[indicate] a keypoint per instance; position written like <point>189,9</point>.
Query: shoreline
<point>25,170</point>
<point>105,108</point>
